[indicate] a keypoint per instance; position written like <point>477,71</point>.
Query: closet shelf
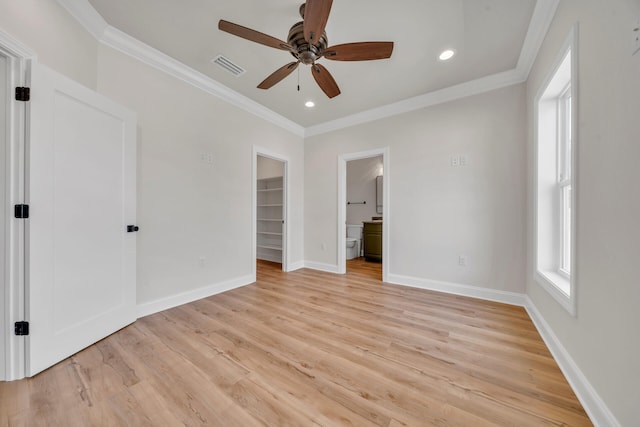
<point>269,233</point>
<point>277,248</point>
<point>270,204</point>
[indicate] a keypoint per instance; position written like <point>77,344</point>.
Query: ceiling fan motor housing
<point>304,51</point>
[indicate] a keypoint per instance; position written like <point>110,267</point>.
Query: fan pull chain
<point>298,79</point>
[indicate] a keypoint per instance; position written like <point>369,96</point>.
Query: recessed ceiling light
<point>447,54</point>
<point>309,104</point>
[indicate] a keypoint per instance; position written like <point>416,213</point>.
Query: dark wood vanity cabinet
<point>372,237</point>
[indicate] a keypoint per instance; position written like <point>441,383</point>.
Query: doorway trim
<point>342,206</point>
<point>263,152</point>
<point>13,286</point>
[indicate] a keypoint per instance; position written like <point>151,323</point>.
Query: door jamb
<point>342,206</point>
<point>19,57</point>
<point>263,152</point>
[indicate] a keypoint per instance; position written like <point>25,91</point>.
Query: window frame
<point>548,235</point>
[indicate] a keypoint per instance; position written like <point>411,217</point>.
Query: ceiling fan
<point>307,42</point>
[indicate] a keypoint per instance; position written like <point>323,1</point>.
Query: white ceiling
<point>488,36</point>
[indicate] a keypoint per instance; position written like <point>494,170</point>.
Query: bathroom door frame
<point>342,206</point>
<point>263,152</point>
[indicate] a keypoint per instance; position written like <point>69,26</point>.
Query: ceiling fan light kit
<point>307,42</point>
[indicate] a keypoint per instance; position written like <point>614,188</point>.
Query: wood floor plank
<point>309,348</point>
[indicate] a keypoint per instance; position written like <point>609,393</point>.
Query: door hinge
<point>23,93</point>
<point>21,211</point>
<point>21,328</point>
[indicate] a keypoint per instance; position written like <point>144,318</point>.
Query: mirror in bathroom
<point>379,194</point>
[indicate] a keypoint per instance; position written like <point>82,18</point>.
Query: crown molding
<point>541,19</point>
<point>15,47</point>
<point>543,15</point>
<point>86,15</point>
<point>452,93</point>
<point>128,45</point>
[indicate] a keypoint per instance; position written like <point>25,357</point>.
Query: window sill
<point>559,287</point>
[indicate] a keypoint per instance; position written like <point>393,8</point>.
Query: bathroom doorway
<point>363,213</point>
<point>270,208</point>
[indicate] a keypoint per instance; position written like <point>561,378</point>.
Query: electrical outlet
<point>636,37</point>
<point>455,161</point>
<point>463,260</point>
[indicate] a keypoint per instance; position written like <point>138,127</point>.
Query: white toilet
<point>354,240</point>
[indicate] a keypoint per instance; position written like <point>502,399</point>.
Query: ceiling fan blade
<point>325,80</point>
<point>362,51</point>
<point>278,75</point>
<point>253,35</point>
<point>316,14</point>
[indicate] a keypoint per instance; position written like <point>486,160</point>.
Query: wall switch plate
<point>463,160</point>
<point>636,37</point>
<point>463,260</point>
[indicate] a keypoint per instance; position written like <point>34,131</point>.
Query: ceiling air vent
<point>226,63</point>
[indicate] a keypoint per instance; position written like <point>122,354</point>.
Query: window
<point>555,197</point>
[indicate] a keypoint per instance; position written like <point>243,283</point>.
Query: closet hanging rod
<point>357,203</point>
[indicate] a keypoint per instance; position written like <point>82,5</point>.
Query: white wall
<point>361,186</point>
<point>437,212</point>
<point>603,338</point>
<point>58,39</point>
<point>189,208</point>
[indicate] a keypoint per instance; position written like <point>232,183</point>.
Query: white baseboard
<point>295,266</point>
<point>329,268</point>
<point>158,305</point>
<point>595,407</point>
<point>512,298</point>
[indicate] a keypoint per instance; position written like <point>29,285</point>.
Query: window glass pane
<point>564,134</point>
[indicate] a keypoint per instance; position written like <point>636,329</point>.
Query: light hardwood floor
<point>305,349</point>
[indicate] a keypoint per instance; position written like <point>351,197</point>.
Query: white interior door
<point>81,190</point>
